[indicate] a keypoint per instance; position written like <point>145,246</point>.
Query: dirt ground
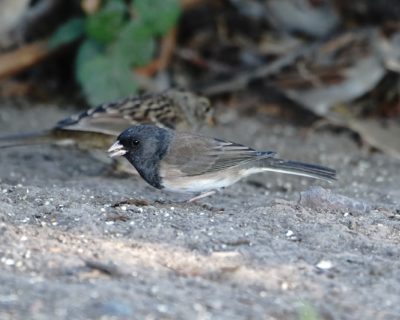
<point>253,251</point>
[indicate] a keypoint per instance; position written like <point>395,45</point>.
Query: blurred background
<point>331,63</point>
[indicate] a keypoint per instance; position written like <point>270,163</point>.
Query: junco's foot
<point>191,163</point>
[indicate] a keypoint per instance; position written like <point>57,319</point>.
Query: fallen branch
<point>189,4</point>
<point>168,45</point>
<point>242,80</point>
<point>22,58</point>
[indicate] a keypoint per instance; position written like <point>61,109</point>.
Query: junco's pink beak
<point>117,150</point>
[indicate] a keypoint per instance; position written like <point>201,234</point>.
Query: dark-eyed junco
<point>191,163</point>
<point>97,128</point>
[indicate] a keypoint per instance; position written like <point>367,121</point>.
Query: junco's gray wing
<point>192,155</point>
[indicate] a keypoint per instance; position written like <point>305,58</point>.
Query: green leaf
<point>158,15</point>
<point>68,32</point>
<point>104,79</point>
<point>105,25</point>
<point>135,45</point>
<point>88,50</point>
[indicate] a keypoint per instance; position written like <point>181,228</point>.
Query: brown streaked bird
<point>191,163</point>
<point>97,127</point>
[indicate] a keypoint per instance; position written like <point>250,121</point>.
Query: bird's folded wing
<point>192,155</point>
<point>113,118</point>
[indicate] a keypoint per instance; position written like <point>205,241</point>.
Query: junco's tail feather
<point>298,169</point>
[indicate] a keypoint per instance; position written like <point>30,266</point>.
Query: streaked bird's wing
<point>113,118</point>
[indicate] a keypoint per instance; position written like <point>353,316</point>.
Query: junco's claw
<point>201,196</point>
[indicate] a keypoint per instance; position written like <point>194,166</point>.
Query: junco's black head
<point>143,146</point>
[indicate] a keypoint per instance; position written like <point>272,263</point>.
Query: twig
<point>241,81</point>
<point>22,58</point>
<point>189,4</point>
<point>168,45</point>
<point>106,268</point>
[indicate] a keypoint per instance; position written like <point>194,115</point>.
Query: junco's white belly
<point>202,183</point>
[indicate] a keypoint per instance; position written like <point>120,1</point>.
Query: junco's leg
<point>201,196</point>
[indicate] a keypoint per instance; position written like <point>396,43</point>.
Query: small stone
<point>8,262</point>
<point>289,233</point>
<point>162,308</point>
<point>324,265</point>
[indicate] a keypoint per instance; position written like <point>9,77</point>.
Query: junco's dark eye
<point>135,142</point>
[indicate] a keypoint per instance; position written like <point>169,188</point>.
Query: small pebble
<point>8,262</point>
<point>289,233</point>
<point>324,265</point>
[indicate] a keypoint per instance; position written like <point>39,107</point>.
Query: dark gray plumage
<point>184,162</point>
<point>146,146</point>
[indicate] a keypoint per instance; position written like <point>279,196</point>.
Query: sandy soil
<point>251,252</point>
